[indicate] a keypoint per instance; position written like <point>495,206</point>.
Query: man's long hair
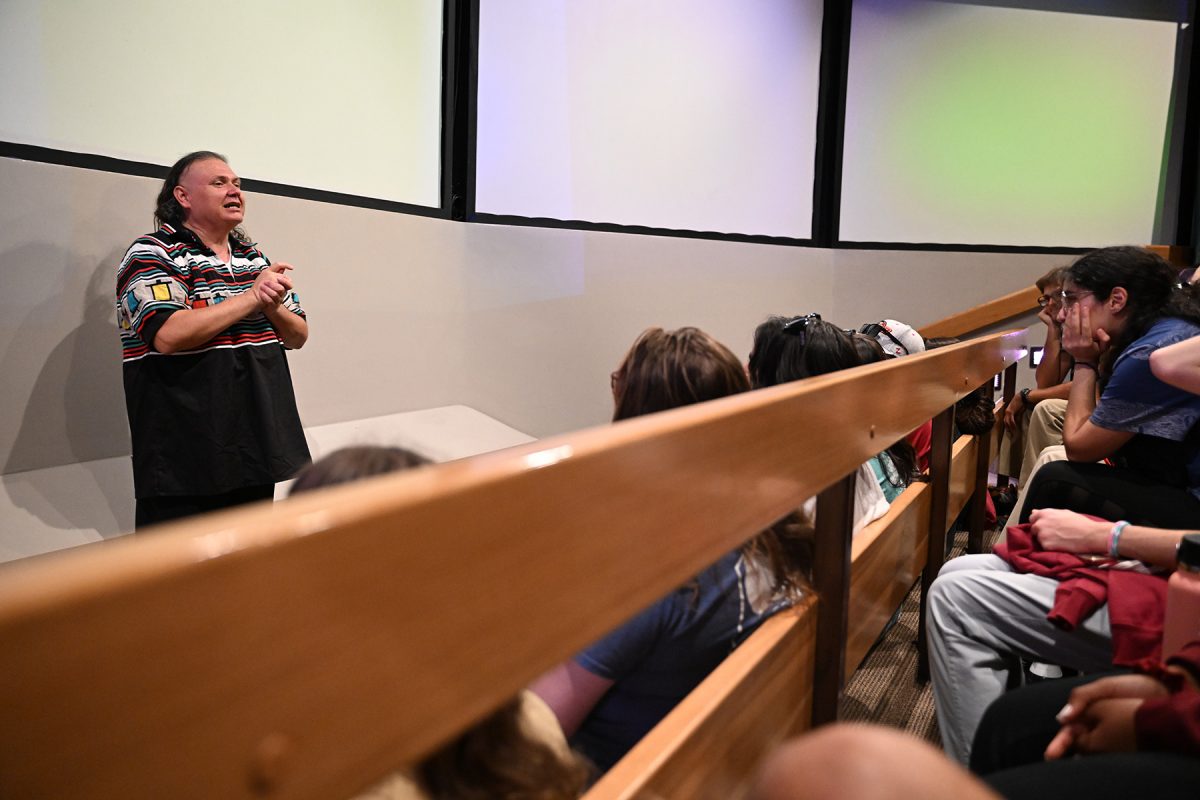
<point>167,210</point>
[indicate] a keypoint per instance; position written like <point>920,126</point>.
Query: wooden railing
<point>984,315</point>
<point>308,648</point>
<point>1023,301</point>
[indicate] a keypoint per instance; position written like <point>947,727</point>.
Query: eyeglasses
<point>1046,299</point>
<point>798,326</point>
<point>1071,298</point>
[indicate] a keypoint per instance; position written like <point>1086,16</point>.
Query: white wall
<point>523,324</point>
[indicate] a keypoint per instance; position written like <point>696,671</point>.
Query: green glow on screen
<point>1039,130</point>
<point>994,125</point>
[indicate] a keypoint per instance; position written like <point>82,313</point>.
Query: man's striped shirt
<point>170,270</point>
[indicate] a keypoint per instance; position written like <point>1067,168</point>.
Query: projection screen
<point>980,124</point>
<point>683,114</point>
<point>343,97</point>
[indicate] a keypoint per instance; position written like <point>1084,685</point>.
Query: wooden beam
<point>307,649</point>
<point>711,743</point>
<point>981,316</point>
<point>831,580</point>
<point>887,558</point>
<point>939,472</point>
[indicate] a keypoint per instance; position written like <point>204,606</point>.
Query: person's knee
<point>956,598</point>
<point>1048,416</point>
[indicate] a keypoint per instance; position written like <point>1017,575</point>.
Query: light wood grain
<point>888,556</point>
<point>711,743</point>
<point>962,475</point>
<point>1179,255</point>
<point>306,649</point>
<point>983,315</point>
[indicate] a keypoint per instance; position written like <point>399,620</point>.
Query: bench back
<point>308,648</point>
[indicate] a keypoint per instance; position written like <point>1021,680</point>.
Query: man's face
<point>211,195</point>
<point>1053,299</point>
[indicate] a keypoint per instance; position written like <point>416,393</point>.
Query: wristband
<point>1114,539</point>
<point>1087,364</point>
<point>1025,396</point>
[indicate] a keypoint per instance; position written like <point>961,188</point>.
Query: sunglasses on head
<point>798,326</point>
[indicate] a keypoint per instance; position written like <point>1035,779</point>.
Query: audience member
<point>1023,439</point>
<point>615,691</point>
<point>516,753</point>
<point>1115,737</point>
<point>983,616</point>
<point>1120,304</point>
<point>898,339</point>
<point>895,467</point>
<point>1118,736</point>
<point>790,349</point>
<point>204,319</point>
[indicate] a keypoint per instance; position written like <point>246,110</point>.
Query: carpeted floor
<point>884,689</point>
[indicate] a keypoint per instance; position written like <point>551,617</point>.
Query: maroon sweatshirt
<point>1136,601</point>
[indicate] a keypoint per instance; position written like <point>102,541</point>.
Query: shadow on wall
<point>76,409</point>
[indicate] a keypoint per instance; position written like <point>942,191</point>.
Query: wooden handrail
<point>1023,301</point>
<point>711,741</point>
<point>981,316</point>
<point>1179,255</point>
<point>305,649</point>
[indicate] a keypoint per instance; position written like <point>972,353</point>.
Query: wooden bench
<point>761,693</point>
<point>307,649</point>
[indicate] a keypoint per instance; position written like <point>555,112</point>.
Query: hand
<point>1047,316</point>
<point>271,286</point>
<point>1012,411</point>
<point>1069,532</point>
<point>1079,339</point>
<point>1098,717</point>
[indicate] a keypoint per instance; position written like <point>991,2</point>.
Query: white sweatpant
<point>982,616</point>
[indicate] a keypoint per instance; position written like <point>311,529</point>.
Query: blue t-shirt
<point>663,653</point>
<point>1163,417</point>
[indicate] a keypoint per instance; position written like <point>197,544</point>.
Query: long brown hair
<point>669,369</point>
<point>496,758</point>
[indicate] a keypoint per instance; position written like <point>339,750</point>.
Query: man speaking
<point>205,319</point>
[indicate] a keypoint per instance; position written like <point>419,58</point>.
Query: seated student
<point>1120,304</point>
<point>790,349</point>
<point>1023,437</point>
<point>983,616</point>
<point>516,753</point>
<point>1113,737</point>
<point>611,694</point>
<point>895,467</point>
<point>1120,736</point>
<point>897,340</point>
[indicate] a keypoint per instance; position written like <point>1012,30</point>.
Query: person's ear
<point>181,197</point>
<point>1117,299</point>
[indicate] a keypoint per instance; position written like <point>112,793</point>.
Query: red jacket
<point>1136,601</point>
<point>1172,723</point>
